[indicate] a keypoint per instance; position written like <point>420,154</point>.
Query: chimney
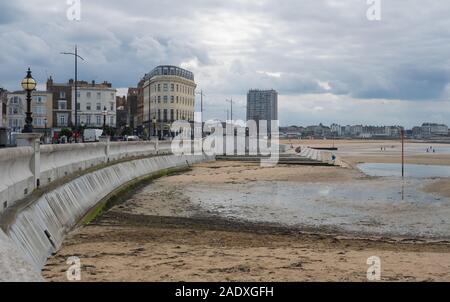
<point>49,82</point>
<point>93,83</point>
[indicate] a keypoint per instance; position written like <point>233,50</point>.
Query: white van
<point>92,135</point>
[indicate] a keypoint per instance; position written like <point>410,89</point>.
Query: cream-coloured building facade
<point>169,95</point>
<point>93,98</point>
<point>41,108</point>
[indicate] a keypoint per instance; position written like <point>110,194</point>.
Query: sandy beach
<point>369,151</point>
<point>161,234</point>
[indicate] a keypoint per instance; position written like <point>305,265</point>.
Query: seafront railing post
<point>105,140</point>
<point>36,163</point>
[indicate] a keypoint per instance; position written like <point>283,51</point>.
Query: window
<point>172,115</point>
<point>88,95</point>
<point>111,106</point>
<point>112,96</point>
<point>98,106</point>
<point>78,106</point>
<point>172,99</point>
<point>98,119</point>
<point>111,120</point>
<point>159,87</point>
<point>62,94</point>
<point>159,114</point>
<point>88,106</point>
<point>172,87</point>
<point>177,99</point>
<point>165,99</point>
<point>62,105</point>
<point>177,87</point>
<point>166,87</point>
<point>78,94</point>
<point>99,95</point>
<point>62,120</point>
<point>165,115</point>
<point>88,119</point>
<point>159,99</point>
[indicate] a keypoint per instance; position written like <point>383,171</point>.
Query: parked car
<point>132,138</point>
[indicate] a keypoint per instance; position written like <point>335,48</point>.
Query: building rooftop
<point>262,90</point>
<point>170,70</point>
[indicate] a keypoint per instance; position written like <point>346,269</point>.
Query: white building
<point>41,108</point>
<point>93,101</point>
<point>432,129</point>
<point>336,130</point>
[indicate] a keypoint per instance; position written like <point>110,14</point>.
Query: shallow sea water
<point>382,207</point>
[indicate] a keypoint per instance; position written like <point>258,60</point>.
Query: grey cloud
<point>297,47</point>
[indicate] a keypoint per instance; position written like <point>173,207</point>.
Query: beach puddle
<point>411,171</point>
<point>384,207</point>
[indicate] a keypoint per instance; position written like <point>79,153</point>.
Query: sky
<point>327,60</point>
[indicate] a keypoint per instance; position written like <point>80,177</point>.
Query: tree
<point>126,131</point>
<point>108,130</point>
<point>66,132</point>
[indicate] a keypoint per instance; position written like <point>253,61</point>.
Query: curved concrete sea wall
<point>23,169</point>
<point>13,266</point>
<point>40,228</point>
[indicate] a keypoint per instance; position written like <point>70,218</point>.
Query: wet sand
<point>160,235</point>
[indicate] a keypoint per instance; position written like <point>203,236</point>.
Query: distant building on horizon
<point>428,130</point>
<point>262,105</point>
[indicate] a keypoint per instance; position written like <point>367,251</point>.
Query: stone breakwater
<point>39,229</point>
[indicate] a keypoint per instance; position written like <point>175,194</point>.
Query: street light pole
<point>75,54</point>
<point>201,109</point>
<point>28,84</point>
<point>45,133</point>
<point>402,133</point>
<point>231,102</point>
<point>105,112</point>
<point>149,110</point>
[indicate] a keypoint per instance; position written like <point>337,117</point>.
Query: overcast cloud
<point>327,61</point>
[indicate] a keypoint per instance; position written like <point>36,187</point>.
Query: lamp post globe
<point>28,84</point>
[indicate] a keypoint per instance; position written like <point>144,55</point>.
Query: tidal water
<point>413,171</point>
<point>382,207</point>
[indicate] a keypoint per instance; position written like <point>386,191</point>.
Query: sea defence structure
<point>45,191</point>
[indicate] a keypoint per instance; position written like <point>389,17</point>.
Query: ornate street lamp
<point>82,131</point>
<point>105,113</point>
<point>28,84</point>
<point>45,133</point>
